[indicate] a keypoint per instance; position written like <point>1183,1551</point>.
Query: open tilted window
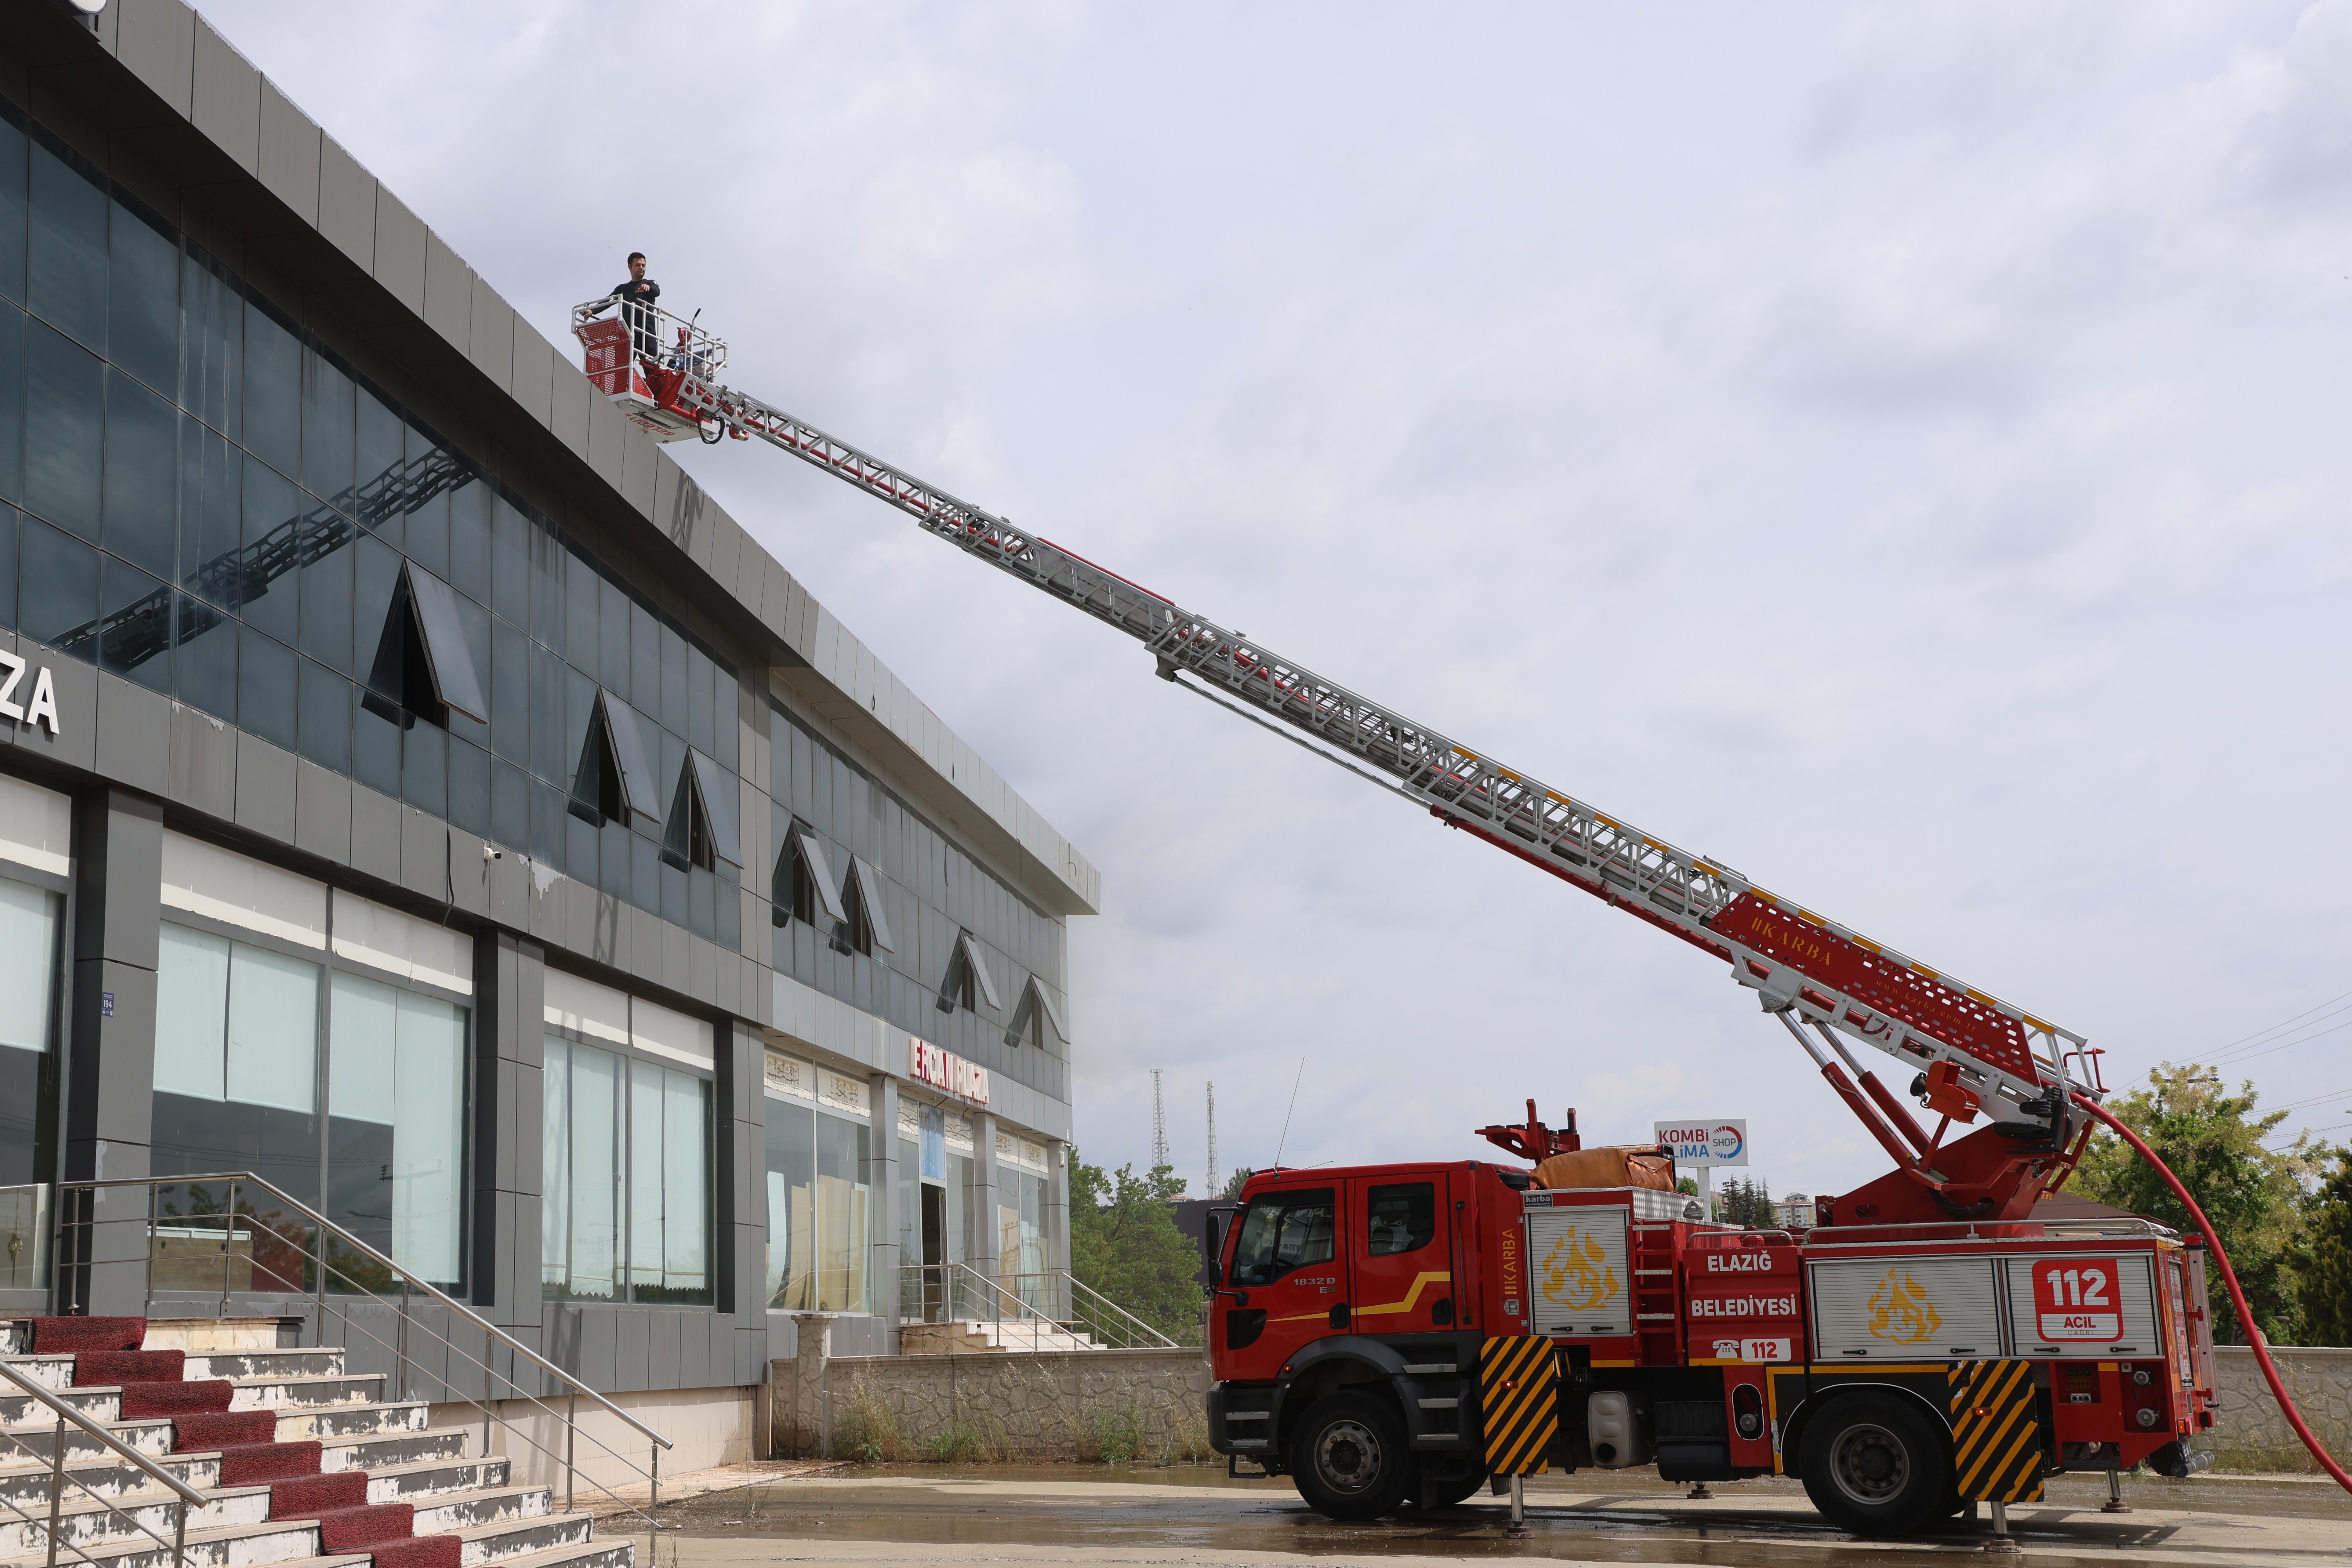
<point>701,827</point>
<point>422,669</point>
<point>614,782</point>
<point>869,923</point>
<point>802,888</point>
<point>1033,1017</point>
<point>968,981</point>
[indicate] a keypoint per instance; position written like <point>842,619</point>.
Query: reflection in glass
<point>395,1134</point>
<point>580,1223</point>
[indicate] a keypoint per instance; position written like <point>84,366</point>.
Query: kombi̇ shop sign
<point>1720,1142</point>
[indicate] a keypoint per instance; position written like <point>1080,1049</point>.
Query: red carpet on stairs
<point>57,1336</point>
<point>94,1367</point>
<point>153,1383</point>
<point>228,1429</point>
<point>257,1464</point>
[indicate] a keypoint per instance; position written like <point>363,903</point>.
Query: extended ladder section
<point>1973,1047</point>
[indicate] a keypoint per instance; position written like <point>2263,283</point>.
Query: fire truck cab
<point>1398,1334</point>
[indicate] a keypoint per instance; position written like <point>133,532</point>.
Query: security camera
<point>491,852</point>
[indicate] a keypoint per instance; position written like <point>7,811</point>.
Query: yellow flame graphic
<point>1576,1273</point>
<point>1900,1311</point>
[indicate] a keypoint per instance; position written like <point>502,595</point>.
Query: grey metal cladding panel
<point>492,339</point>
<point>695,1332</point>
<point>322,812</point>
<point>570,398</point>
<point>666,478</point>
<point>424,853</point>
<point>289,153</point>
<point>662,1334</point>
<point>676,965</point>
<point>454,679</point>
<point>400,244</point>
<point>347,198</point>
<point>133,743</point>
<point>511,892</point>
<point>702,960</point>
<point>204,762</point>
<point>534,370</point>
<point>375,834</point>
<point>265,788</point>
<point>637,462</point>
<point>645,957</point>
<point>607,432</point>
<point>633,1334</point>
<point>226,104</point>
<point>156,39</point>
<point>599,1357</point>
<point>449,293</point>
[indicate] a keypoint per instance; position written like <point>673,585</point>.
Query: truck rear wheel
<point>1349,1458</point>
<point>1874,1465</point>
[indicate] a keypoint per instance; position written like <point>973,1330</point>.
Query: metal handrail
<point>188,1495</point>
<point>1025,1310</point>
<point>1078,1284</point>
<point>407,1282</point>
<point>114,1444</point>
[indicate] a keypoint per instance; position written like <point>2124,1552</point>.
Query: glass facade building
<point>433,834</point>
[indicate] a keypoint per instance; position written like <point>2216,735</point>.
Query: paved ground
<point>927,1516</point>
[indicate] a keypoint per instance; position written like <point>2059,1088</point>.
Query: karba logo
<point>1576,1273</point>
<point>1725,1143</point>
<point>1900,1311</point>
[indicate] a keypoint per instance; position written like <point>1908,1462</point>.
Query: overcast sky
<point>1899,450</point>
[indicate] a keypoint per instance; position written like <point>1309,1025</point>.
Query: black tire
<point>1874,1465</point>
<point>1349,1458</point>
<point>1429,1493</point>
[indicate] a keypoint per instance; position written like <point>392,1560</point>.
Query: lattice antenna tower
<point>1214,1186</point>
<point>1159,1124</point>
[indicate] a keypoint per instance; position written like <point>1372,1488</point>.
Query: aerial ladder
<point>1970,1052</point>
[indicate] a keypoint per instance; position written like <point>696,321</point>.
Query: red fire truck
<point>1399,1333</point>
<point>1394,1333</point>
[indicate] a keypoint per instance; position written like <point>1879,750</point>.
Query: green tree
<point>1232,1191</point>
<point>2212,1139</point>
<point>1124,1243</point>
<point>2322,1260</point>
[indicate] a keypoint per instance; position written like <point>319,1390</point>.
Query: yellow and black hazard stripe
<point>1996,1435</point>
<point>1519,1390</point>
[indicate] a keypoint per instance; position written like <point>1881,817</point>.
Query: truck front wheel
<point>1349,1458</point>
<point>1875,1465</point>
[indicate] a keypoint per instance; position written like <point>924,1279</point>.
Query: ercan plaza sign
<point>1696,1143</point>
<point>926,1063</point>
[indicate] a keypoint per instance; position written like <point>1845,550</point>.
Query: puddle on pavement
<point>1762,1523</point>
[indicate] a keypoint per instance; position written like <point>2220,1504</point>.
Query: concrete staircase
<point>300,1463</point>
<point>980,1338</point>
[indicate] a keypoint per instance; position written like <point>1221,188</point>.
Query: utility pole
<point>1214,1186</point>
<point>1159,1125</point>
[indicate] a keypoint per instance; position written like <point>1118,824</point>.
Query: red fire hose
<point>2229,1278</point>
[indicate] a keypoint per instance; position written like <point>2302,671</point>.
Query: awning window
<point>701,829</point>
<point>423,667</point>
<point>968,981</point>
<point>613,779</point>
<point>869,924</point>
<point>802,887</point>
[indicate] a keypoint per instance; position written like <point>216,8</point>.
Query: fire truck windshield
<point>1283,1231</point>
